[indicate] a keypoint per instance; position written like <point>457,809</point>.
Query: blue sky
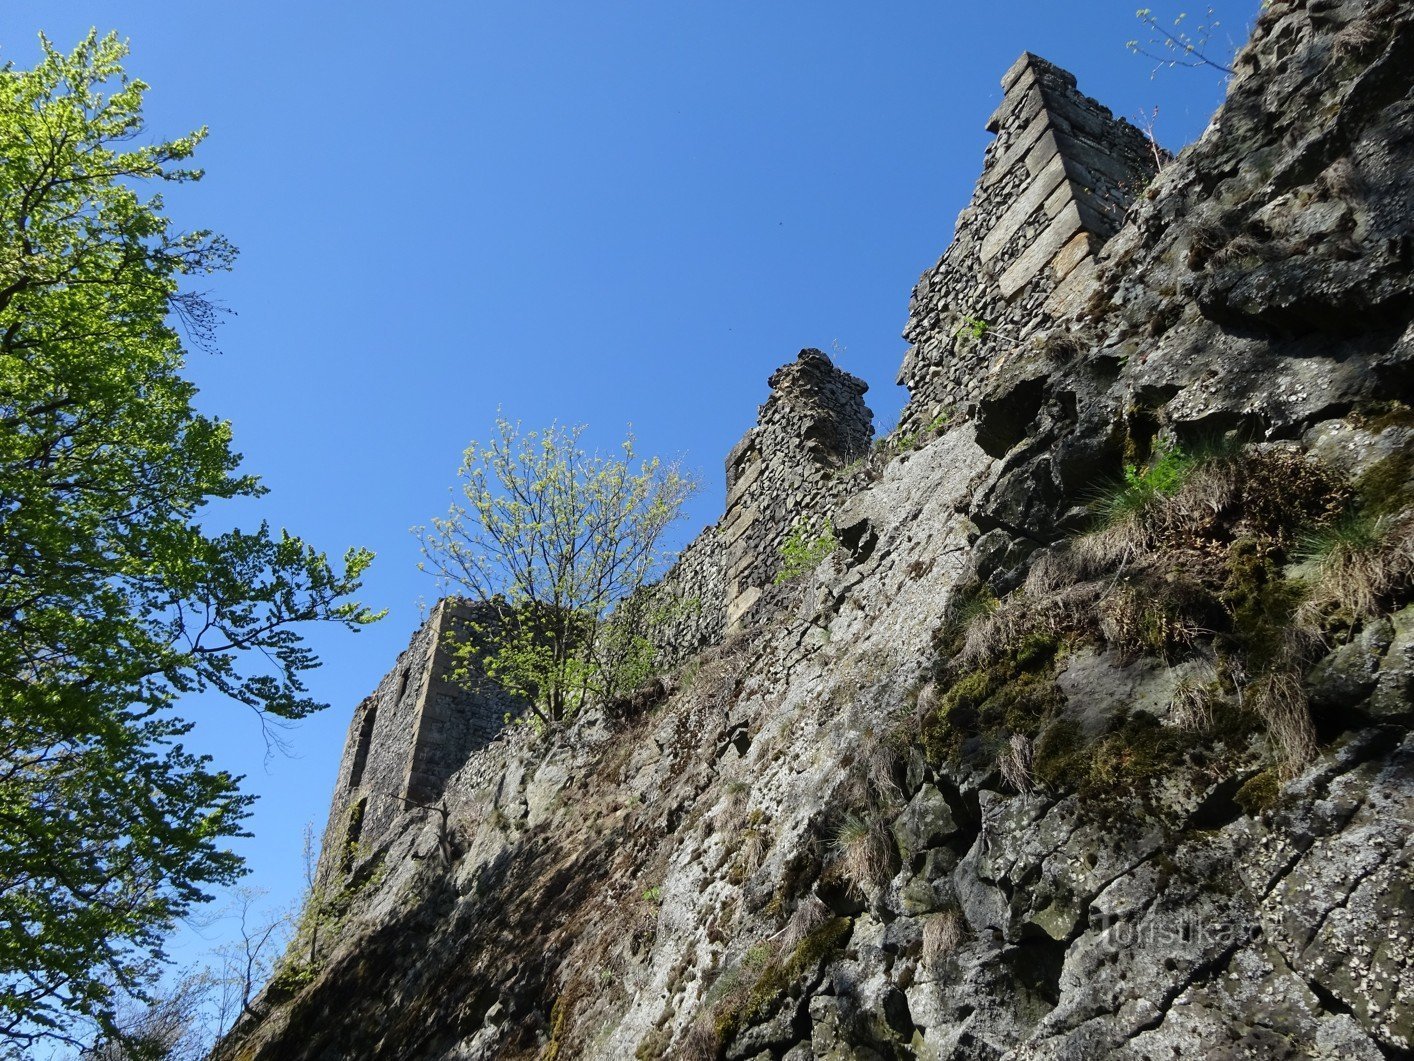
<point>601,212</point>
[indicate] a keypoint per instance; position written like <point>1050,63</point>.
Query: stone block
<point>1098,161</point>
<point>737,522</point>
<point>1058,233</point>
<point>1073,292</point>
<point>1019,107</point>
<point>1013,73</point>
<point>746,478</point>
<point>740,604</point>
<point>1025,205</point>
<point>1020,148</point>
<point>1042,152</point>
<point>1081,246</point>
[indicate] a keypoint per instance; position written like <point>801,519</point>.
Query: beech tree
<point>115,598</point>
<point>561,542</point>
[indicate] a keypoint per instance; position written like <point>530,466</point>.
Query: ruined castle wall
<point>691,600</point>
<point>408,737</point>
<point>1056,183</point>
<point>786,471</point>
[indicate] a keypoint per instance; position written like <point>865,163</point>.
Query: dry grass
<point>1175,497</point>
<point>874,779</point>
<point>1015,762</point>
<point>755,842</point>
<point>1343,180</point>
<point>1194,699</point>
<point>1235,252</point>
<point>942,935</point>
<point>1028,612</point>
<point>1139,619</point>
<point>927,701</point>
<point>809,915</point>
<point>864,850</point>
<point>1360,563</point>
<point>1063,345</point>
<point>712,679</point>
<point>1279,698</point>
<point>732,812</point>
<point>1358,40</point>
<point>701,1043</point>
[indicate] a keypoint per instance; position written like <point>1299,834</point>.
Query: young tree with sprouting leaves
<point>561,542</point>
<point>118,592</point>
<point>1175,46</point>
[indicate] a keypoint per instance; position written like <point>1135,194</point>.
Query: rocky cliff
<point>1090,739</point>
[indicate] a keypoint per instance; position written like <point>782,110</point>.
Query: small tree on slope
<point>560,542</point>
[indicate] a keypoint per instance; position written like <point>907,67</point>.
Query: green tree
<point>115,598</point>
<point>562,542</point>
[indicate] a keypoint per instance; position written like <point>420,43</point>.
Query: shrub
<point>804,550</point>
<point>560,543</point>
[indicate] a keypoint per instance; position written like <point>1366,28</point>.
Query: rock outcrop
<point>997,780</point>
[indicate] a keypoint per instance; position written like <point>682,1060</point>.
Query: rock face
<point>991,781</point>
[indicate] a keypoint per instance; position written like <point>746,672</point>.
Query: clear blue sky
<point>600,212</point>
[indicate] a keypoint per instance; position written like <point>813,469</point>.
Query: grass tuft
<point>942,935</point>
<point>1015,762</point>
<point>864,849</point>
<point>1360,562</point>
<point>1279,698</point>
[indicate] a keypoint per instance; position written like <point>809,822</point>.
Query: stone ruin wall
<point>1056,184</point>
<point>786,471</point>
<point>411,734</point>
<point>691,600</point>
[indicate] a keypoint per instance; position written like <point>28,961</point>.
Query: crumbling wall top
<point>1056,184</point>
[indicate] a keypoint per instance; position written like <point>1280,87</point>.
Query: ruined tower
<point>409,736</point>
<point>1056,184</point>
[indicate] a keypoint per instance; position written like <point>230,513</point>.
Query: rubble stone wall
<point>411,734</point>
<point>786,471</point>
<point>1056,184</point>
<point>690,601</point>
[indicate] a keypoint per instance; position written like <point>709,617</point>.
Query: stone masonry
<point>1056,183</point>
<point>691,600</point>
<point>414,731</point>
<point>419,727</point>
<point>785,471</point>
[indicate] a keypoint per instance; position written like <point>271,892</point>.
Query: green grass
<point>1352,534</point>
<point>1128,497</point>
